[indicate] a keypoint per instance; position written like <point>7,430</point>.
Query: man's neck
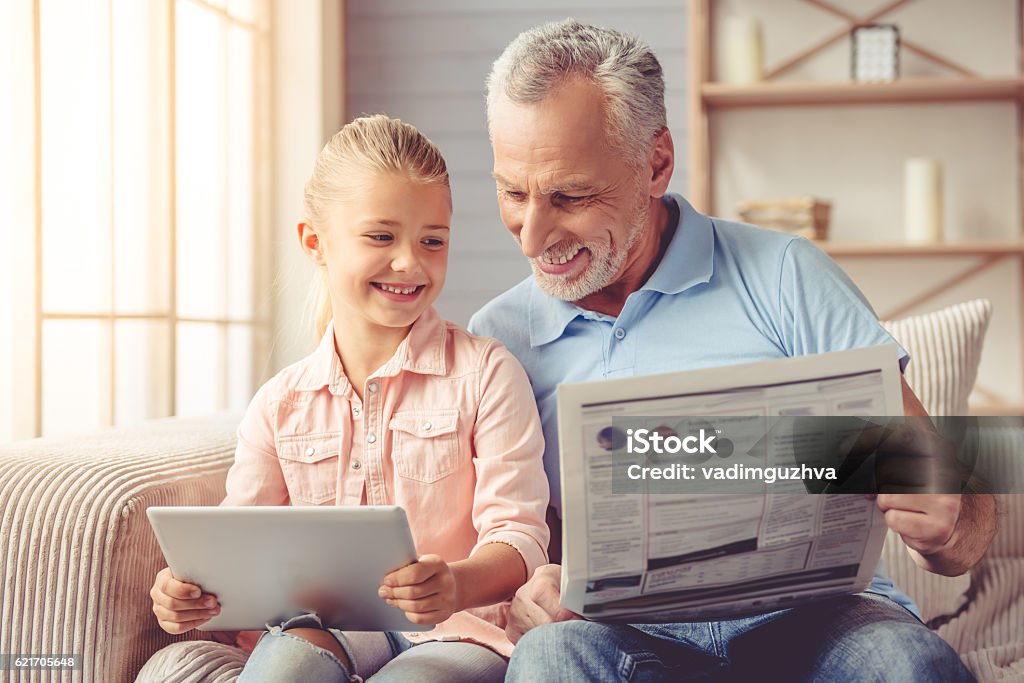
<point>641,262</point>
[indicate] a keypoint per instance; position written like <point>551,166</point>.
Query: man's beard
<point>605,261</point>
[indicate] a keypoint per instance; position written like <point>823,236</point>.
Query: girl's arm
<point>255,478</point>
<point>492,574</point>
<point>509,504</point>
<point>511,497</point>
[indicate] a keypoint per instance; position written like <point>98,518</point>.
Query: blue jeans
<point>280,657</point>
<point>863,637</point>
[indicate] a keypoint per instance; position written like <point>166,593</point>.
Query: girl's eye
<point>433,242</point>
<point>380,238</point>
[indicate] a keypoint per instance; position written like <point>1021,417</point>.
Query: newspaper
<point>678,553</point>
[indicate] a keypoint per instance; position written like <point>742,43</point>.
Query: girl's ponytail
<point>319,304</point>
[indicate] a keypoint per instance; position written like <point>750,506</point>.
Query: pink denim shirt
<point>447,429</point>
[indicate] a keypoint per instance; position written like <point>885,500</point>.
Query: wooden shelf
<point>875,249</point>
<point>777,94</point>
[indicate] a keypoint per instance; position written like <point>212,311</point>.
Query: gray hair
<point>624,67</point>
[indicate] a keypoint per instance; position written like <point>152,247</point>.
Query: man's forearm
<point>974,531</point>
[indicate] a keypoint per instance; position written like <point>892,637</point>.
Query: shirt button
<point>371,438</point>
<point>356,411</point>
<point>620,333</point>
<point>356,464</point>
<point>427,426</point>
<point>372,388</point>
<point>310,452</point>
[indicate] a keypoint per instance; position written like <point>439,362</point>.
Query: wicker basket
<point>804,216</point>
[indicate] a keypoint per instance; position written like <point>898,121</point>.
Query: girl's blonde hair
<point>369,144</point>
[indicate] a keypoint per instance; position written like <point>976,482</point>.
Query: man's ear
<point>310,242</point>
<point>662,161</point>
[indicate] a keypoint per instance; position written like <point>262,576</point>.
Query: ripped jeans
<point>378,657</point>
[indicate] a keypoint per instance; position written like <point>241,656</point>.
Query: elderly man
<point>630,280</point>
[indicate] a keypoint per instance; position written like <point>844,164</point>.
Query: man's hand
<point>425,590</point>
<point>536,603</point>
<point>974,515</point>
<point>919,480</point>
<point>925,522</point>
<point>967,522</point>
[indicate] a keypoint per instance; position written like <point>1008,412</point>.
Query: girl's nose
<point>405,261</point>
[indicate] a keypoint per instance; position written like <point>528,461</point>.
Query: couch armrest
<point>79,554</point>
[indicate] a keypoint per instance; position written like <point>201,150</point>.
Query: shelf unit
<point>907,90</point>
<point>706,97</point>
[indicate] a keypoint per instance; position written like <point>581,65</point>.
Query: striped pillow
<point>945,349</point>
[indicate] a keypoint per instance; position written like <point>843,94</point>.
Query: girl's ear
<point>310,242</point>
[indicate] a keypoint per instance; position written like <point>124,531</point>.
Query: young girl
<point>395,407</point>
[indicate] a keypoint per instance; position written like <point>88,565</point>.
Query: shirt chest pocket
<point>310,467</point>
<point>425,444</point>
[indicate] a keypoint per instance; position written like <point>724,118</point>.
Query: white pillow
<point>945,349</point>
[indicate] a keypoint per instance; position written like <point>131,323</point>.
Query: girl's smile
<point>398,291</point>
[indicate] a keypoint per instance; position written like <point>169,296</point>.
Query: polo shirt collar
<point>422,351</point>
<point>687,262</point>
<point>689,259</point>
<point>549,316</point>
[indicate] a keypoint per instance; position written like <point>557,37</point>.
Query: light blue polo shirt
<point>724,293</point>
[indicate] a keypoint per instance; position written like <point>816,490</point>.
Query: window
<point>133,232</point>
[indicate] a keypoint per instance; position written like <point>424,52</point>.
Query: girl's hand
<point>425,590</point>
<point>180,606</point>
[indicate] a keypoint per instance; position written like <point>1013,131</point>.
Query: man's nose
<point>535,229</point>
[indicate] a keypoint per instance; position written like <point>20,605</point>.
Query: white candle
<point>741,55</point>
<point>922,200</point>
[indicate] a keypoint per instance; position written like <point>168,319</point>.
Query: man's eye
<point>512,195</point>
<point>572,198</point>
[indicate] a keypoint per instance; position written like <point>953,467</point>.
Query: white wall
<point>426,63</point>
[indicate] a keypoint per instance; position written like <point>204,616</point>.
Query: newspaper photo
<point>681,501</point>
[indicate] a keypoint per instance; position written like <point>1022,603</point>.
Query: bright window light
<point>137,202</point>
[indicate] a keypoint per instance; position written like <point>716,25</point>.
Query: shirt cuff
<point>533,555</point>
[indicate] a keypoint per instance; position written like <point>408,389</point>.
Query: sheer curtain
<point>133,215</point>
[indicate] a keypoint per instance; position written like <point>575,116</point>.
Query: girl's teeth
<point>396,290</point>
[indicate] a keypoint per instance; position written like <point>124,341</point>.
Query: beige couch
<point>79,555</point>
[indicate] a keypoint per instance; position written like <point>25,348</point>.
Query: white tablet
<point>266,564</point>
